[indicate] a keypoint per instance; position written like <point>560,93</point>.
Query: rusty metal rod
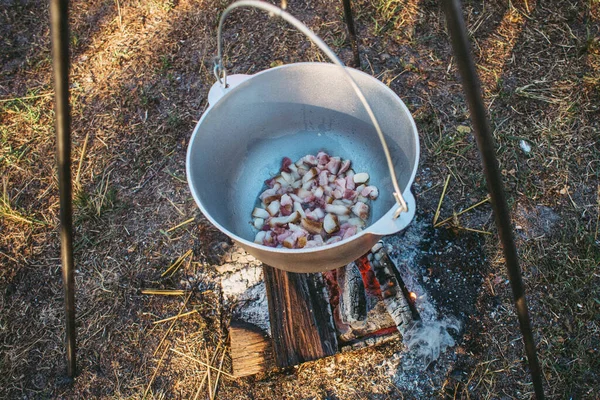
<point>485,142</point>
<point>60,60</point>
<point>351,32</point>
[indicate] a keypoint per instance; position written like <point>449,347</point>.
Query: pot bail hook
<point>221,75</point>
<point>220,72</point>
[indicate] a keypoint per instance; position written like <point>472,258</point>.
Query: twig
<point>175,317</point>
<point>206,372</point>
<point>219,373</point>
<point>437,212</point>
<point>461,212</point>
<point>181,224</point>
<point>203,363</point>
<point>27,97</point>
<point>175,266</point>
<point>210,396</point>
<point>155,372</point>
<point>85,142</point>
<point>172,324</point>
<point>474,230</point>
<point>164,292</point>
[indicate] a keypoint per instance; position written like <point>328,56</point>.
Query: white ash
<point>243,289</point>
<point>426,341</point>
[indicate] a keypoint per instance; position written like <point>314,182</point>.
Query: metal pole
<point>485,142</point>
<point>351,32</point>
<point>60,59</point>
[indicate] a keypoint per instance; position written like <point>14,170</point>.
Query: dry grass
<point>140,76</point>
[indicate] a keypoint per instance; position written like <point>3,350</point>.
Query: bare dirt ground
<point>140,75</point>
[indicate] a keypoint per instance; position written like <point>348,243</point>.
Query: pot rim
<point>284,250</point>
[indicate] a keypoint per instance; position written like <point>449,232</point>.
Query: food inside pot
<point>314,201</point>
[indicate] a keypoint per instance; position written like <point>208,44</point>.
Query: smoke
<point>427,339</point>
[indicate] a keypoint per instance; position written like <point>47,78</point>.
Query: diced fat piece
<point>322,157</point>
<point>333,239</point>
<point>260,213</point>
<point>259,223</point>
<point>334,165</point>
<point>362,199</point>
<point>268,193</point>
<point>285,164</point>
<point>308,185</point>
<point>311,174</point>
<point>329,199</point>
<point>349,194</point>
<point>350,231</point>
<point>343,218</point>
<point>273,208</point>
<point>341,183</point>
<point>331,178</point>
<point>287,177</point>
<point>306,196</point>
<point>319,212</point>
<point>270,239</point>
<point>318,192</point>
<point>361,177</point>
<point>345,166</point>
<point>297,183</point>
<point>337,209</point>
<point>295,176</point>
<point>278,221</point>
<point>286,200</point>
<point>359,188</point>
<point>350,182</point>
<point>310,160</point>
<point>338,202</point>
<point>298,207</point>
<point>281,180</point>
<point>356,222</point>
<point>370,191</point>
<point>323,178</point>
<point>260,237</point>
<point>313,227</point>
<point>361,210</point>
<point>311,243</point>
<point>302,170</point>
<point>295,197</point>
<point>293,227</point>
<point>301,243</point>
<point>293,168</point>
<point>270,182</point>
<point>338,193</point>
<point>318,239</point>
<point>282,236</point>
<point>330,223</point>
<point>327,189</point>
<point>289,242</point>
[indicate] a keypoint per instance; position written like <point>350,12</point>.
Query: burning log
<point>353,300</point>
<point>397,304</point>
<point>301,320</point>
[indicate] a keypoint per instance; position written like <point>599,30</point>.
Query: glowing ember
<point>413,296</point>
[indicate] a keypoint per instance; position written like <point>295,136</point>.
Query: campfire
<point>282,319</point>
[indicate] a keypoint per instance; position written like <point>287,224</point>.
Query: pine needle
<point>163,292</point>
<point>181,224</point>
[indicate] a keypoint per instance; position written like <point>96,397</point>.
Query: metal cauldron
<point>290,111</point>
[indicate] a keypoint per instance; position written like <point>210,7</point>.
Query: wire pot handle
<point>221,75</point>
